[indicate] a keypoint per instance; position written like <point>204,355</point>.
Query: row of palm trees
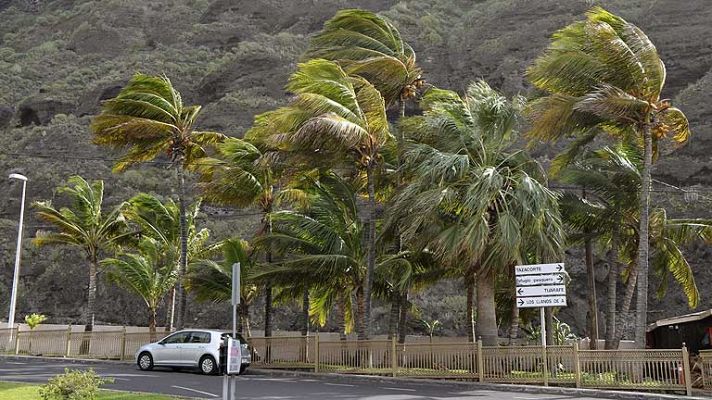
<point>358,201</point>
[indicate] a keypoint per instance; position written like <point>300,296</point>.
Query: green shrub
<point>73,385</point>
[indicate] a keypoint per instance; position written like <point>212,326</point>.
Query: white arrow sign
<point>537,269</point>
<point>532,280</point>
<point>549,301</point>
<point>551,290</point>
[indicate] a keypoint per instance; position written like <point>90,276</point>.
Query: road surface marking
<point>339,384</point>
<point>195,391</point>
<point>401,389</point>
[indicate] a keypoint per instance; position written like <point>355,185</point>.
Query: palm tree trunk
<point>486,314</point>
<point>612,296</point>
<point>180,295</point>
<point>91,303</point>
<point>549,316</point>
<point>305,313</point>
<point>170,310</point>
<point>152,324</point>
<point>514,326</point>
<point>641,308</point>
<point>371,256</point>
<point>267,228</point>
<point>622,316</point>
<point>361,314</point>
<point>469,306</point>
<point>341,318</point>
<point>591,295</point>
<point>393,316</point>
<point>403,320</point>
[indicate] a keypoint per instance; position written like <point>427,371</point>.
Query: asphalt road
<point>253,385</point>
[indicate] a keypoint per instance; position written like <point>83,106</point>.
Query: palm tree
<point>611,214</point>
<point>146,119</point>
<point>605,73</point>
<point>147,274</point>
<point>335,120</point>
<point>327,253</point>
<point>369,46</point>
<point>238,176</point>
<point>471,198</point>
<point>212,281</point>
<point>161,221</point>
<point>83,224</point>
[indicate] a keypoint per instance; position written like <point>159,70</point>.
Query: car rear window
<point>200,337</point>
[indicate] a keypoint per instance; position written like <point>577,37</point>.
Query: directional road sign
<point>540,285</point>
<point>537,269</point>
<point>552,290</point>
<point>533,280</point>
<point>548,301</point>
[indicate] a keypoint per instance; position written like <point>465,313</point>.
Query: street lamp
<point>16,276</point>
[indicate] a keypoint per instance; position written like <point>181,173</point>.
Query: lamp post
<point>16,276</point>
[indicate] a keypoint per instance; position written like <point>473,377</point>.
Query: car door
<point>195,347</point>
<point>168,350</point>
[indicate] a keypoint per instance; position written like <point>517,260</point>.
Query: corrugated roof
<point>680,319</point>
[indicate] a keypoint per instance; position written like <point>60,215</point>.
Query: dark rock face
<point>40,111</point>
<point>90,102</point>
<point>6,114</point>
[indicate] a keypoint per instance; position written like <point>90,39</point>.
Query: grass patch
<point>27,391</point>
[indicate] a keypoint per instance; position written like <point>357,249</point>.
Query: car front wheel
<point>145,361</point>
<point>208,366</point>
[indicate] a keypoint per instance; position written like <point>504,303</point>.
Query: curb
<point>67,359</point>
<point>605,394</point>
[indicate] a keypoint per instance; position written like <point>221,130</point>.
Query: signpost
<point>233,357</point>
<point>540,285</point>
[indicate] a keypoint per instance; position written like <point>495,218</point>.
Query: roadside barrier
<point>653,370</point>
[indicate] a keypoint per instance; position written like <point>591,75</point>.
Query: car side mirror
<point>162,343</point>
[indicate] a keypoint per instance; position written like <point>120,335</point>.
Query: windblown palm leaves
<point>367,45</point>
<point>147,119</point>
<point>83,224</point>
<point>147,273</point>
<point>473,200</point>
<point>212,281</point>
<point>604,73</point>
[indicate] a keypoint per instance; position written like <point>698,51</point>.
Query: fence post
<point>316,352</point>
<point>686,370</point>
<point>545,365</point>
<point>68,343</point>
<point>577,365</point>
<point>17,341</point>
<point>123,344</point>
<point>480,362</point>
<point>394,357</point>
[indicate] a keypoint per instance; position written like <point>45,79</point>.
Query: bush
<point>73,385</point>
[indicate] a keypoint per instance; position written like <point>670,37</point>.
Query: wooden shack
<point>692,329</point>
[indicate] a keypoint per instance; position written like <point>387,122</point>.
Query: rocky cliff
<point>59,59</point>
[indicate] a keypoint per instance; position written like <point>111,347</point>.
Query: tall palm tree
<point>161,221</point>
<point>147,119</point>
<point>471,196</point>
<point>369,46</point>
<point>83,224</point>
<point>605,73</point>
<point>212,281</point>
<point>336,120</point>
<point>145,274</point>
<point>239,176</point>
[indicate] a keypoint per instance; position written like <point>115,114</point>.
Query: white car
<point>190,348</point>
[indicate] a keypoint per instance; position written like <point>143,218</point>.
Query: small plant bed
<point>27,391</point>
